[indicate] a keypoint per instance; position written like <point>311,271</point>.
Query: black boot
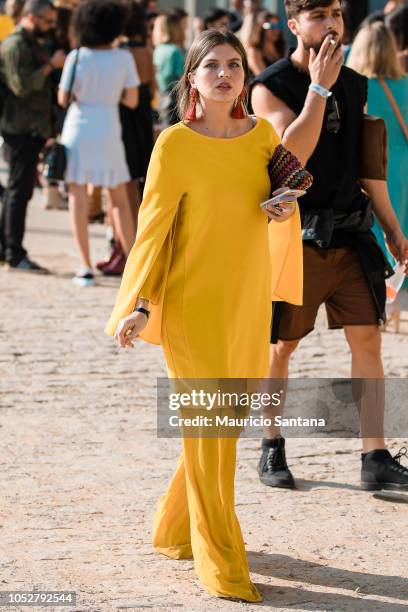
<point>380,470</point>
<point>272,469</point>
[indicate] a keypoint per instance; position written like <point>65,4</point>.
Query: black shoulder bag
<point>55,162</point>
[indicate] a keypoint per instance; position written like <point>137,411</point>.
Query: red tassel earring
<point>239,110</point>
<point>190,114</point>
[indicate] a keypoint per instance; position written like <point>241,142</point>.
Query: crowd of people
<point>181,288</point>
<point>158,41</point>
<point>106,77</point>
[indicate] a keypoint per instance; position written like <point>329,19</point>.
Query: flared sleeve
<point>149,261</point>
<point>286,251</point>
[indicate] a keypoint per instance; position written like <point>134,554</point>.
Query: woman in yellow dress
<point>199,282</point>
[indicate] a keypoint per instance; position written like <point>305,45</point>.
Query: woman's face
<point>220,76</point>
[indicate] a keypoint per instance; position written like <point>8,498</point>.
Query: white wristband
<point>320,90</point>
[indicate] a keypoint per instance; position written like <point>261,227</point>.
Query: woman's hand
<point>284,207</point>
<point>129,328</point>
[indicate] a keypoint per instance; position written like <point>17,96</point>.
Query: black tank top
<point>335,163</point>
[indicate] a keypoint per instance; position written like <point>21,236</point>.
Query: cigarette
<point>333,42</point>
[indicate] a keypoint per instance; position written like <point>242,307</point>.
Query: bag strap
<point>72,81</point>
<point>395,107</point>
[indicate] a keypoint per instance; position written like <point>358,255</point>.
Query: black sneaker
<point>380,470</point>
<point>26,265</point>
<point>272,468</point>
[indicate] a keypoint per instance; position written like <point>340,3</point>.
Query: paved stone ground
<point>81,467</point>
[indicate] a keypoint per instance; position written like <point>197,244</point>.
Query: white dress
<point>92,129</point>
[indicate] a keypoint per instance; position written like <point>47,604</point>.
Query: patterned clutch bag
<point>285,170</point>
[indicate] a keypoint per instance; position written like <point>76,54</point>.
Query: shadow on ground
<point>298,570</point>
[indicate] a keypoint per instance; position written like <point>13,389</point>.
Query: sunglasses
<point>333,122</point>
<point>268,25</point>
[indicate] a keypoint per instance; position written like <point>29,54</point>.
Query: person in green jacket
<point>25,121</point>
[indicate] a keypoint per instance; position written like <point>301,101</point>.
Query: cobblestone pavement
<point>81,467</point>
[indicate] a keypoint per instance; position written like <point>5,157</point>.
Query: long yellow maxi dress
<point>202,257</point>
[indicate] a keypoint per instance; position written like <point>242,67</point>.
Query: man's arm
<point>396,241</point>
<point>301,134</point>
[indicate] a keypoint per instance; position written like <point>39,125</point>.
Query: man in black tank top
<point>316,106</point>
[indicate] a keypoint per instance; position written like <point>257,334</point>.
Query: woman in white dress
<point>104,77</point>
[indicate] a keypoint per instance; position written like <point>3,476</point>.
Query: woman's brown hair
<point>202,45</point>
<point>168,29</point>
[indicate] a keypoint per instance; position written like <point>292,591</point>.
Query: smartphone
<point>280,198</point>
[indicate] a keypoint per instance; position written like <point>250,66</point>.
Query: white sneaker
<point>84,277</point>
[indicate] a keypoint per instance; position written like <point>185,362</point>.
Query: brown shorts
<point>335,278</point>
